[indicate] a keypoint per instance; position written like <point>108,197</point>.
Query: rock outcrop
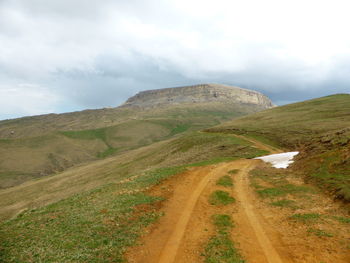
<point>198,94</point>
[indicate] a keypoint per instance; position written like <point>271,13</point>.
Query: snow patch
<point>279,160</point>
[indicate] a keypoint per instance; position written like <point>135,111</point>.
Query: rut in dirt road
<point>169,251</point>
<point>242,185</point>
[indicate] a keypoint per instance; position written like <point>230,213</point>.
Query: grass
<point>220,247</point>
<point>319,232</point>
<point>225,181</point>
<point>110,151</point>
<point>320,124</point>
<point>87,134</point>
<point>220,198</point>
<point>284,190</point>
<point>306,218</point>
<point>212,161</point>
<point>222,221</point>
<point>194,139</point>
<point>271,192</point>
<point>331,174</point>
<point>281,187</point>
<point>341,219</point>
<point>179,129</point>
<point>285,203</point>
<point>233,171</point>
<point>95,226</point>
<point>153,177</point>
<point>99,222</point>
<point>202,149</point>
<point>69,148</point>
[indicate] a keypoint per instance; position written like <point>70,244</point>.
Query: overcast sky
<point>67,55</point>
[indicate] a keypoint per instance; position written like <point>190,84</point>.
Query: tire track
<point>171,247</point>
<point>242,192</point>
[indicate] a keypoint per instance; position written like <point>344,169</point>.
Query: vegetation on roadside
<point>305,211</point>
<point>319,232</point>
<point>285,203</point>
<point>212,161</point>
<point>342,219</point>
<point>220,247</point>
<point>278,186</point>
<point>220,197</point>
<point>95,226</point>
<point>319,127</point>
<point>307,217</point>
<point>283,190</point>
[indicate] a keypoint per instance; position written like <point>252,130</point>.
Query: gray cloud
<point>89,54</point>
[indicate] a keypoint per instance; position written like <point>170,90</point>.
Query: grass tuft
<point>285,203</point>
<point>341,219</point>
<point>306,218</point>
<point>319,232</point>
<point>221,198</point>
<point>284,190</point>
<point>271,192</point>
<point>222,221</point>
<point>220,247</point>
<point>225,181</point>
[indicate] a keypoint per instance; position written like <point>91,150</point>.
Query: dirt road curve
<point>186,225</point>
<point>179,236</point>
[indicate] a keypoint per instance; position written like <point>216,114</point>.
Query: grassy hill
<point>318,128</point>
<point>92,212</point>
<point>38,146</point>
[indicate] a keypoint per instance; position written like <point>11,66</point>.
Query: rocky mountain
<point>198,94</point>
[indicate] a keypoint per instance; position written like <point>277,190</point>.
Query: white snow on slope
<point>279,160</point>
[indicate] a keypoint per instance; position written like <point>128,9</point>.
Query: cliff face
<point>198,94</point>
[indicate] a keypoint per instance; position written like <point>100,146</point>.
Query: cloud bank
<point>61,55</point>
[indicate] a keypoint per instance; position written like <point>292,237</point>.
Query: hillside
<point>194,197</point>
<point>33,147</point>
<point>319,128</point>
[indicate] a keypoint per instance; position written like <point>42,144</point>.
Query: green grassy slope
<point>45,145</point>
<point>196,148</point>
<point>319,128</point>
<point>95,211</point>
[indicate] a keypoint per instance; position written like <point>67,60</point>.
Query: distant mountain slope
<point>319,128</point>
<point>37,146</point>
<point>198,94</point>
<point>177,102</point>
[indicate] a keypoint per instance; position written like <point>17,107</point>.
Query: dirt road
<point>181,234</point>
<point>250,221</point>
